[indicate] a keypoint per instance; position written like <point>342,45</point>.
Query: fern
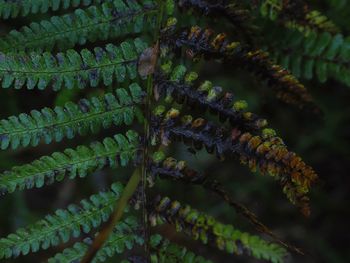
<point>232,11</point>
<point>72,163</point>
<point>71,69</point>
<point>298,15</point>
<point>84,117</point>
<point>170,168</point>
<point>123,237</point>
<point>206,229</point>
<point>61,226</point>
<point>203,44</point>
<point>132,52</point>
<point>166,252</point>
<point>319,55</point>
<point>177,84</point>
<point>107,21</point>
<point>12,9</point>
<point>267,153</point>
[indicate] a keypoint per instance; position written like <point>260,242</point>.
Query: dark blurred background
<point>322,142</point>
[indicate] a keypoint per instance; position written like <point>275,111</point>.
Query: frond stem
<point>146,152</point>
<point>115,217</point>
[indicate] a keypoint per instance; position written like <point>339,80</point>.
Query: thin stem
<point>140,174</point>
<point>115,217</point>
<point>146,145</point>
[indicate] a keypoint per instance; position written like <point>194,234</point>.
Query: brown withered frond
<point>170,168</point>
<point>202,43</point>
<point>208,97</point>
<point>266,153</point>
<point>233,11</point>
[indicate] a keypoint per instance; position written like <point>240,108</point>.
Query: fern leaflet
<point>163,251</point>
<point>267,152</point>
<point>207,230</point>
<point>12,9</point>
<point>202,44</point>
<point>178,84</point>
<point>101,22</point>
<point>62,225</point>
<point>71,69</point>
<point>123,237</point>
<point>84,117</point>
<point>72,163</point>
<point>320,55</point>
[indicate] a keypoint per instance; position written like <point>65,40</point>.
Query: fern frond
<point>71,69</point>
<point>201,43</point>
<point>233,11</point>
<point>209,231</point>
<point>101,22</point>
<point>82,161</point>
<point>267,152</point>
<point>62,225</point>
<point>163,251</point>
<point>178,84</point>
<point>297,15</point>
<point>123,237</point>
<point>12,9</point>
<point>87,116</point>
<point>170,168</point>
<point>320,55</point>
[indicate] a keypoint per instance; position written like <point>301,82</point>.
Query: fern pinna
<point>131,55</point>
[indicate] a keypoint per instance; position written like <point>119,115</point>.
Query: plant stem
<point>140,174</point>
<point>147,146</point>
<point>115,217</point>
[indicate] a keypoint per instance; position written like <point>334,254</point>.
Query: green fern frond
<point>101,22</point>
<point>62,225</point>
<point>87,116</point>
<point>314,21</point>
<point>320,55</point>
<point>71,69</point>
<point>163,251</point>
<point>206,229</point>
<point>123,237</point>
<point>82,161</point>
<point>12,9</point>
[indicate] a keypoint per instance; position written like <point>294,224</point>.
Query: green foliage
<point>62,225</point>
<point>82,69</point>
<point>271,8</point>
<point>59,53</point>
<point>166,252</point>
<point>297,15</point>
<point>12,9</point>
<point>101,22</point>
<point>123,237</point>
<point>87,116</point>
<point>319,55</point>
<point>71,163</point>
<point>209,231</point>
